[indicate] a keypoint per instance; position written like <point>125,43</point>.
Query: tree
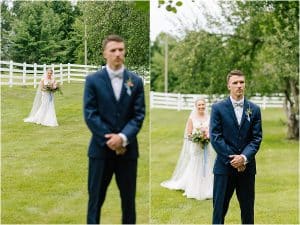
<point>263,43</point>
<point>158,62</point>
<point>67,14</point>
<point>127,19</point>
<point>197,63</point>
<point>271,30</point>
<point>40,32</point>
<point>170,5</point>
<point>6,31</point>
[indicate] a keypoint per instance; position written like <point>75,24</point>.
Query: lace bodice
<point>198,124</point>
<point>48,82</point>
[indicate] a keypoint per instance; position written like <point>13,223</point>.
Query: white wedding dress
<point>43,109</point>
<point>194,169</point>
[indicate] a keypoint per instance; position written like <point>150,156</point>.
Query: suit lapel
<point>123,89</point>
<point>246,105</point>
<point>108,84</point>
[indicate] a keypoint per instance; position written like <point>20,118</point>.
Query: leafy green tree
<point>170,5</point>
<point>158,63</point>
<point>37,37</point>
<point>127,19</point>
<point>40,32</point>
<point>67,14</point>
<point>197,64</point>
<point>269,32</point>
<point>264,45</point>
<point>6,30</point>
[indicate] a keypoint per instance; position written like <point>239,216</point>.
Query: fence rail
<point>186,101</point>
<point>12,73</point>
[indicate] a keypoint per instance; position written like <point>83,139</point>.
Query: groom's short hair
<point>234,73</point>
<point>112,37</point>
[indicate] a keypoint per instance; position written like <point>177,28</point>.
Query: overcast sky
<point>189,16</point>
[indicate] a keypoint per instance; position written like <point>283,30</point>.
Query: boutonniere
<point>248,112</point>
<point>129,84</point>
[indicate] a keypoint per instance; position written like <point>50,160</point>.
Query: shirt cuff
<point>245,158</point>
<point>124,138</point>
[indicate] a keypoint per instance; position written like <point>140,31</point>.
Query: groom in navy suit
<point>114,110</point>
<point>236,134</point>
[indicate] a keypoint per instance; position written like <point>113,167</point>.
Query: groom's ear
<point>103,54</point>
<point>228,86</point>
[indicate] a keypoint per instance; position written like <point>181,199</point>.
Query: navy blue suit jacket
<point>104,114</point>
<point>228,138</point>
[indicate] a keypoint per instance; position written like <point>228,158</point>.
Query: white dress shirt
<point>116,78</point>
<point>239,113</point>
<point>238,109</point>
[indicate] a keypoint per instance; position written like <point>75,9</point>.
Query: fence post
<point>178,102</point>
<point>68,72</point>
<point>24,73</point>
<point>61,73</point>
<point>264,102</point>
<point>10,73</point>
<point>34,75</point>
<point>45,68</point>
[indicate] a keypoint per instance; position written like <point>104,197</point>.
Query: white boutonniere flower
<point>128,85</point>
<point>248,112</point>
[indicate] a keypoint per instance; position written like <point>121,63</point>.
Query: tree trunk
<point>291,106</point>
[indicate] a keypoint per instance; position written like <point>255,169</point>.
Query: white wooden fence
<point>12,73</point>
<point>187,101</point>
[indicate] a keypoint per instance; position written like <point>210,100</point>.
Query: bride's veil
<point>37,101</point>
<point>183,159</point>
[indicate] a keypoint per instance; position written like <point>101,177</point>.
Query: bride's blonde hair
<point>200,99</point>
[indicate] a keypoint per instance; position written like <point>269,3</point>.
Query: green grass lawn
<point>277,196</point>
<point>44,169</point>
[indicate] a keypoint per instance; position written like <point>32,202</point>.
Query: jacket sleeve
<point>134,125</point>
<point>216,136</point>
<point>256,136</point>
<point>91,113</point>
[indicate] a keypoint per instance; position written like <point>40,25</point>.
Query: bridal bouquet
<point>200,136</point>
<point>53,88</point>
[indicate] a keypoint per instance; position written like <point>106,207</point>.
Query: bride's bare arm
<point>54,84</point>
<point>42,84</point>
<point>189,126</point>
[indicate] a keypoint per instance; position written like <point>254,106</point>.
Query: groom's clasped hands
<point>115,142</point>
<point>238,162</point>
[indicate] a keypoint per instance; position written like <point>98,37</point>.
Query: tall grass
<point>44,169</point>
<point>276,180</point>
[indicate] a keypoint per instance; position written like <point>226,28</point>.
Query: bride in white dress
<point>43,109</point>
<point>194,170</point>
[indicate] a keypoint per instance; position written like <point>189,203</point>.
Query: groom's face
<point>236,85</point>
<point>114,53</point>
